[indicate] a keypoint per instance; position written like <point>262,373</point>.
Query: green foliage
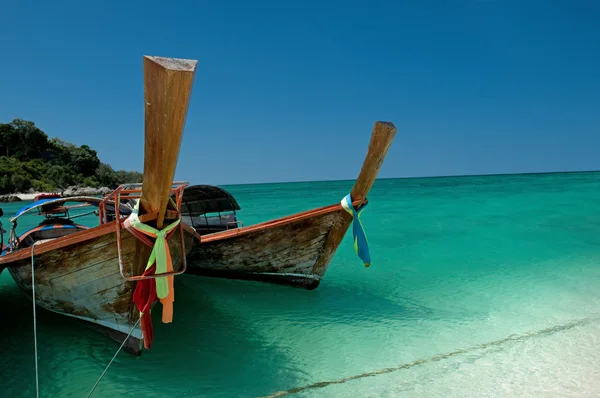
<point>106,175</point>
<point>28,159</point>
<point>90,182</point>
<point>60,176</point>
<point>129,176</point>
<point>42,186</point>
<point>22,139</point>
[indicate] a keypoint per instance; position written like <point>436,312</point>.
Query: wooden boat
<point>51,195</point>
<point>93,274</point>
<point>295,250</point>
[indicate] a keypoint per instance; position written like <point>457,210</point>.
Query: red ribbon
<point>144,294</point>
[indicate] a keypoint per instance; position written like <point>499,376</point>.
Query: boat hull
<point>82,280</point>
<point>293,251</point>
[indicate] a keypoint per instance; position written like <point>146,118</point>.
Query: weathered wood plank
<point>72,239</point>
<point>93,289</point>
<point>287,248</point>
<point>278,257</point>
<point>167,89</point>
<point>381,140</point>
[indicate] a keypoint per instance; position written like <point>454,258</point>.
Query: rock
<point>67,193</point>
<point>85,191</point>
<point>9,198</point>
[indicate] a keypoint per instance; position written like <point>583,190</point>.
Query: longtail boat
<point>294,250</point>
<point>111,274</point>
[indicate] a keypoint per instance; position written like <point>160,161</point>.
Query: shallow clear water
<point>479,286</point>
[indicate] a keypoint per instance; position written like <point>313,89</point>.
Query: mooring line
<point>37,384</point>
<point>113,358</point>
<point>511,338</point>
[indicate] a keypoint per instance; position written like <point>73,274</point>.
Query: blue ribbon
<point>361,245</point>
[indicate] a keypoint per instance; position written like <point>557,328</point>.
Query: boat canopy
<point>91,200</point>
<point>202,199</point>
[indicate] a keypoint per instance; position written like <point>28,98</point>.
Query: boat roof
<point>95,201</point>
<point>202,199</point>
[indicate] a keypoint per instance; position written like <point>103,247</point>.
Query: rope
<point>113,358</point>
<point>94,212</point>
<point>496,343</point>
<point>37,385</point>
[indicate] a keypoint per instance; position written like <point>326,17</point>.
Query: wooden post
<point>381,139</point>
<point>167,89</point>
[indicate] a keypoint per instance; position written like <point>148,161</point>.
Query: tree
<point>106,175</point>
<point>84,160</point>
<point>9,139</point>
<point>61,176</point>
<point>27,141</point>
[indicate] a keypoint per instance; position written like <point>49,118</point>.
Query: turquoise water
<point>479,286</point>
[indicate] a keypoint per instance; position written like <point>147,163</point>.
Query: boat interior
<point>209,209</point>
<point>48,230</point>
<point>57,223</point>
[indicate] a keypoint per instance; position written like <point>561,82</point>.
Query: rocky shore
<point>69,192</point>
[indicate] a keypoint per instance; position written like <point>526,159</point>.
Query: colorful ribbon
<point>159,262</point>
<point>361,245</point>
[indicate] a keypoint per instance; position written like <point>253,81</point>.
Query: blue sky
<point>289,91</point>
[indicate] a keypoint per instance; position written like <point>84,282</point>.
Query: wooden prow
<point>167,89</point>
<point>381,139</point>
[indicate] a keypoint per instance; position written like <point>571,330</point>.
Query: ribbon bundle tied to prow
<point>361,245</point>
<point>147,291</point>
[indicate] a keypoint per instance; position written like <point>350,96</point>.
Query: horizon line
<point>416,177</point>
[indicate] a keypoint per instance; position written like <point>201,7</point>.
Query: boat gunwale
<point>67,240</point>
<point>38,228</point>
<point>86,200</point>
<point>278,222</point>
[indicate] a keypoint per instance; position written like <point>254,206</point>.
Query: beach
<point>71,191</point>
<point>24,196</point>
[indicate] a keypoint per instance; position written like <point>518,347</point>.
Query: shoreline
<point>27,196</point>
<point>69,192</point>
